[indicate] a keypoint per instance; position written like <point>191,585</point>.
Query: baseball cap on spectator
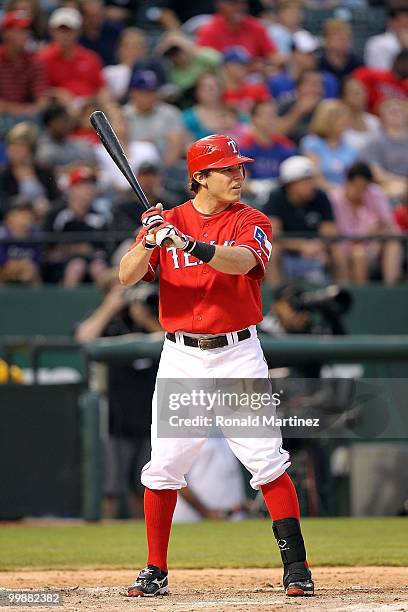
<point>304,42</point>
<point>66,16</point>
<point>237,54</point>
<point>81,175</point>
<point>16,19</point>
<point>148,168</point>
<point>145,80</point>
<point>296,168</point>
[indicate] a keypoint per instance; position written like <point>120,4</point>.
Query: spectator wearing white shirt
<point>381,50</point>
<point>362,125</point>
<point>131,49</point>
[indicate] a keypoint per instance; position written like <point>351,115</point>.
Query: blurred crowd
<point>324,118</point>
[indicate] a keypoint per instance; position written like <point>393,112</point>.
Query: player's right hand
<point>152,217</point>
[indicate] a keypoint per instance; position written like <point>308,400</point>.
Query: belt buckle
<point>202,342</point>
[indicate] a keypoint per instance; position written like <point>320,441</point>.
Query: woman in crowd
<point>325,144</point>
<point>23,176</point>
<point>362,125</point>
<point>361,208</point>
<point>208,115</point>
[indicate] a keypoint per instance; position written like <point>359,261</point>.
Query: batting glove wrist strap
<point>200,250</point>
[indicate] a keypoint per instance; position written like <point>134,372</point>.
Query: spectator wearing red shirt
<point>238,91</point>
<point>23,82</point>
<point>382,84</point>
<point>74,72</point>
<point>231,26</point>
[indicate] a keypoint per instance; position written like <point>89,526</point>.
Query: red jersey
<point>381,85</point>
<point>250,33</point>
<point>401,217</point>
<point>196,298</point>
<point>79,73</point>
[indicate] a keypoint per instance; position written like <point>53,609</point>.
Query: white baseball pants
<point>172,458</point>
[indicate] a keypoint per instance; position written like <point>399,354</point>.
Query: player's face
<point>225,184</point>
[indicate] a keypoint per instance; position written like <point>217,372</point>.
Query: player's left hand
<point>166,231</point>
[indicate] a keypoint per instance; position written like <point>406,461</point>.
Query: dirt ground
<point>379,589</point>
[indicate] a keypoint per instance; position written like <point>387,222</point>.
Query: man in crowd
<point>337,56</point>
<point>19,263</point>
<point>153,120</point>
<point>239,91</point>
<point>299,206</point>
<point>23,81</point>
<point>74,73</point>
<point>77,261</point>
<point>231,26</point>
<point>303,57</point>
<point>381,50</point>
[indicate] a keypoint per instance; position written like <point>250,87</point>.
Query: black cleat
<point>297,580</point>
<point>150,582</point>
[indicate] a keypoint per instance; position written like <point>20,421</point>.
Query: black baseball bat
<point>110,141</point>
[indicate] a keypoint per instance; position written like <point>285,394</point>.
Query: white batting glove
<point>152,217</point>
<point>167,232</point>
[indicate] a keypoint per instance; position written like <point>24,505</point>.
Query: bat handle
<point>167,242</point>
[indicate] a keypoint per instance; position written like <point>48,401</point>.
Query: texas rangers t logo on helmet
<point>233,145</point>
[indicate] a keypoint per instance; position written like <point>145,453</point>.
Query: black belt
<point>206,344</point>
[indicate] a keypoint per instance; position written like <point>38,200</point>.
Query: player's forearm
<point>134,265</point>
<point>233,260</point>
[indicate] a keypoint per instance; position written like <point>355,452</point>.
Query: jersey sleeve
<point>153,262</point>
<point>255,234</point>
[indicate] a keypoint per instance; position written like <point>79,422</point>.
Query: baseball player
<point>210,303</point>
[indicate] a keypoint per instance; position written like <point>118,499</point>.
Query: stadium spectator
<point>55,148</point>
<point>337,56</point>
<point>138,152</point>
<point>303,58</point>
<point>132,47</point>
<point>206,116</point>
<point>287,20</point>
<point>23,176</point>
<point>238,91</point>
<point>152,120</point>
<point>35,10</point>
<point>298,205</point>
<point>98,33</point>
<point>79,261</point>
<point>231,26</point>
<point>125,215</point>
<point>19,263</point>
<point>381,50</point>
<point>296,114</point>
<point>361,208</point>
<point>362,125</point>
<point>262,143</point>
<point>383,84</point>
<point>186,62</point>
<point>387,150</point>
<point>23,81</point>
<point>325,144</point>
<point>126,447</point>
<point>74,73</point>
<point>206,496</point>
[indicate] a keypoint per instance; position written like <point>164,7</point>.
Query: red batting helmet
<point>215,151</point>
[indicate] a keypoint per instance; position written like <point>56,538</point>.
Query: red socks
<point>159,509</point>
<point>281,498</point>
